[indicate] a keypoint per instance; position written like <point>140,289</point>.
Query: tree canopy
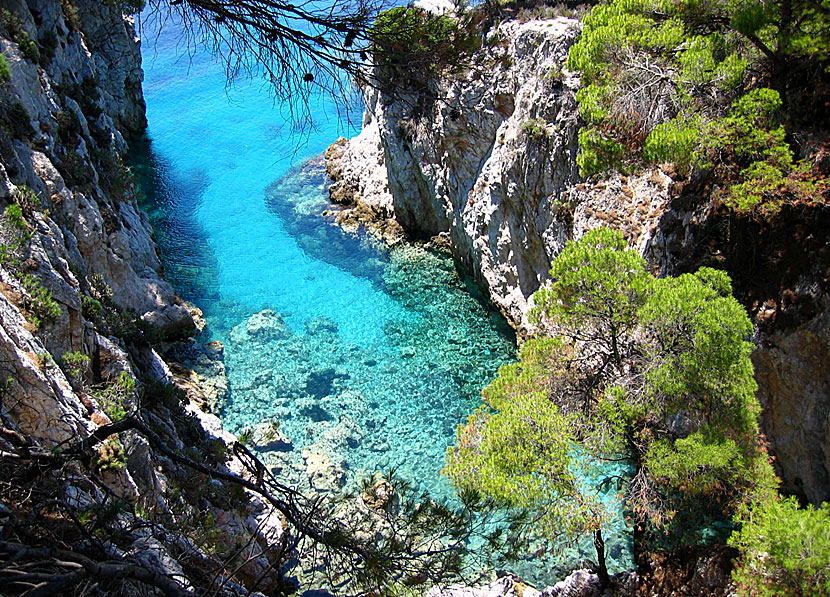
<point>683,81</point>
<point>652,371</point>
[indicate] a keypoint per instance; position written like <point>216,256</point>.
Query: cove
<point>365,356</point>
<point>361,357</point>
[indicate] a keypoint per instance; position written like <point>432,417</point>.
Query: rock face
<point>793,374</point>
<point>489,164</point>
<point>490,169</point>
<point>62,149</point>
<point>80,291</point>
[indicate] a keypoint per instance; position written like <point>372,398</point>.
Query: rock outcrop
<point>81,297</point>
<point>490,168</point>
<point>489,163</point>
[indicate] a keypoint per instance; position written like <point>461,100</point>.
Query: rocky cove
<point>325,397</point>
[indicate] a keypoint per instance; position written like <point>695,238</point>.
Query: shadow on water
<point>299,198</point>
<point>171,198</point>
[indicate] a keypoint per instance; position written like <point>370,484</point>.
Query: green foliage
<point>14,27</point>
<point>674,141</point>
<point>70,15</point>
<point>5,71</point>
<point>596,282</point>
<point>413,45</point>
<point>401,32</point>
<point>784,549</point>
<point>42,304</point>
<point>110,455</point>
<point>75,170</point>
<point>76,364</point>
<point>656,371</point>
<point>27,199</point>
<point>113,397</point>
<point>15,120</point>
<point>20,233</point>
<point>536,128</point>
<point>597,153</point>
<point>749,149</point>
<point>69,126</point>
<point>660,74</point>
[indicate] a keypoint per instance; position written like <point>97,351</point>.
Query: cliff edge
<point>490,169</point>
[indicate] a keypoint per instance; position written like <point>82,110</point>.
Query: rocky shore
<point>490,171</point>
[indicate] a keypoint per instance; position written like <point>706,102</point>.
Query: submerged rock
<point>267,325</point>
<point>322,472</point>
<point>267,437</point>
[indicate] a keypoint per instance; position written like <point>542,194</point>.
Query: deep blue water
<point>369,354</point>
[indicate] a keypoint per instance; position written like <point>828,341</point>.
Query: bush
<point>76,364</point>
<point>18,229</point>
<point>536,128</point>
<point>5,72</point>
<point>16,121</point>
<point>413,45</point>
<point>69,126</point>
<point>114,396</point>
<point>43,305</point>
<point>784,549</point>
<point>27,199</point>
<point>14,27</point>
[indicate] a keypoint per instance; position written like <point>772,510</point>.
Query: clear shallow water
<point>368,355</point>
<point>371,355</point>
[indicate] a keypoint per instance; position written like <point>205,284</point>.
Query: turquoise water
<point>369,354</point>
<point>365,354</point>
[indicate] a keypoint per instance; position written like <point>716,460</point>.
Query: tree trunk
<point>602,569</point>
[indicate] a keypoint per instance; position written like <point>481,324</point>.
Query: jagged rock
<point>381,495</point>
<point>155,557</point>
<point>174,321</point>
<point>507,586</point>
<point>580,583</point>
<point>266,326</point>
<point>37,395</point>
<point>267,437</point>
<point>89,242</point>
<point>793,372</point>
<point>320,324</point>
<point>322,472</point>
<point>468,166</point>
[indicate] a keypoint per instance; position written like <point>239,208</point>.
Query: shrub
<point>536,128</point>
<point>16,121</point>
<point>75,169</point>
<point>412,45</point>
<point>14,27</point>
<point>76,364</point>
<point>5,71</point>
<point>113,396</point>
<point>27,199</point>
<point>18,229</point>
<point>70,15</point>
<point>69,126</point>
<point>110,455</point>
<point>784,549</point>
<point>43,305</point>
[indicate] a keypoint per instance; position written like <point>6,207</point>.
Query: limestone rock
<point>322,472</point>
<point>506,586</point>
<point>267,325</point>
<point>580,583</point>
<point>381,495</point>
<point>267,437</point>
<point>793,372</point>
<point>468,167</point>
